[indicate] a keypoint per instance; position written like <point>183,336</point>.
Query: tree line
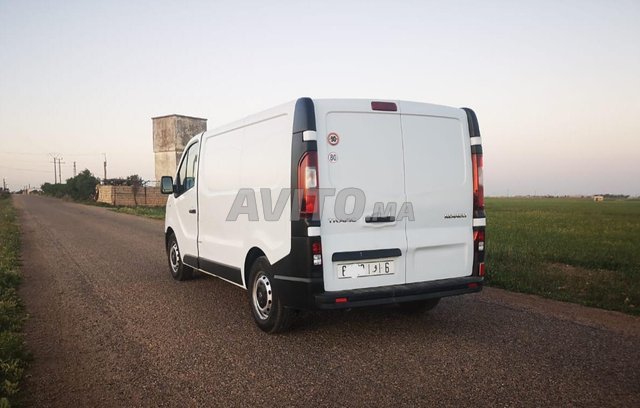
<point>83,186</point>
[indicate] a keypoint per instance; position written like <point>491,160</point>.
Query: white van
<point>333,203</point>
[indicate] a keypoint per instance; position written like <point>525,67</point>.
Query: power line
<point>44,154</point>
<point>25,153</point>
<point>19,169</point>
<point>23,161</point>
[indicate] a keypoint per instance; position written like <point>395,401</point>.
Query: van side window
<point>192,168</point>
<point>186,177</point>
<point>181,175</point>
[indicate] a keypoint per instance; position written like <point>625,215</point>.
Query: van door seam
<point>406,198</point>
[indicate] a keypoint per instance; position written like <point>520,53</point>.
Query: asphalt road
<point>109,327</point>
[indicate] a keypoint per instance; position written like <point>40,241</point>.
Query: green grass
<point>149,212</point>
<point>13,355</point>
<point>574,250</point>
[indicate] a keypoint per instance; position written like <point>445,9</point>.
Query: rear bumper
<point>399,293</point>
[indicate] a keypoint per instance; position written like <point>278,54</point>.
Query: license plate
<point>354,270</point>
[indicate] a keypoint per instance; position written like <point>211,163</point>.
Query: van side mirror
<point>166,185</point>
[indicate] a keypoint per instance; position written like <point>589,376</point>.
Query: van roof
<point>288,108</point>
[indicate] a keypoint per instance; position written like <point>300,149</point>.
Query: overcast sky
<point>556,85</point>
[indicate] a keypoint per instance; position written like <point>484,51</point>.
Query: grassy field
<point>13,355</point>
<point>574,250</point>
<point>567,249</point>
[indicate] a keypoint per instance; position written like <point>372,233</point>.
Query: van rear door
<point>437,160</point>
<point>358,148</point>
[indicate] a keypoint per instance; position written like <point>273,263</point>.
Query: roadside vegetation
<point>156,213</point>
<point>82,188</point>
<point>79,188</point>
<point>13,355</point>
<point>573,250</point>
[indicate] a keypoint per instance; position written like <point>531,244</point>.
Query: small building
<point>598,198</point>
<point>170,135</point>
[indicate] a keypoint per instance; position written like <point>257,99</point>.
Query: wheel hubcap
<point>262,296</point>
<point>174,257</point>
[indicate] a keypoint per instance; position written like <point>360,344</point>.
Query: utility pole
<point>105,167</point>
<point>60,169</point>
<point>4,184</point>
<point>55,171</point>
<point>74,169</point>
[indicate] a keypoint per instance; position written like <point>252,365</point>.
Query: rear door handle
<point>370,219</point>
<point>192,211</point>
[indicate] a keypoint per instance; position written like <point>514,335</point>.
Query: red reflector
<point>341,300</point>
<point>384,106</point>
<point>481,269</point>
<point>316,248</point>
<point>472,285</point>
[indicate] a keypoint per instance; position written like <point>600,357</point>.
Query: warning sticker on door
<point>333,139</point>
<point>333,157</point>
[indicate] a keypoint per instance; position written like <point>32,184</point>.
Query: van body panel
<point>369,158</point>
<point>220,240</point>
<point>253,157</point>
<point>419,155</point>
<point>437,157</point>
<point>265,168</point>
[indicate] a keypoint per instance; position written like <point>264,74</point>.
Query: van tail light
<point>478,240</point>
<point>479,218</point>
<point>478,185</point>
<point>308,185</point>
<point>478,251</point>
<point>316,252</point>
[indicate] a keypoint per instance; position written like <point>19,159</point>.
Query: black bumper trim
<point>297,279</point>
<point>399,293</point>
<point>360,255</point>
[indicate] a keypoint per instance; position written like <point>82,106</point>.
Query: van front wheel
<point>266,308</point>
<point>179,271</point>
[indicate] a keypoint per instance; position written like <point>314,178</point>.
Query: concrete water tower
<point>170,134</point>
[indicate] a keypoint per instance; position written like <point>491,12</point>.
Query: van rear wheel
<point>418,306</point>
<point>179,271</point>
<point>266,308</point>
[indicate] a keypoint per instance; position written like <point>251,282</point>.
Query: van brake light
<point>478,185</point>
<point>384,106</point>
<point>308,184</point>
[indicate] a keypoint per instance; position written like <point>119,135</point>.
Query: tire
<point>179,271</point>
<point>418,306</point>
<point>266,308</point>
